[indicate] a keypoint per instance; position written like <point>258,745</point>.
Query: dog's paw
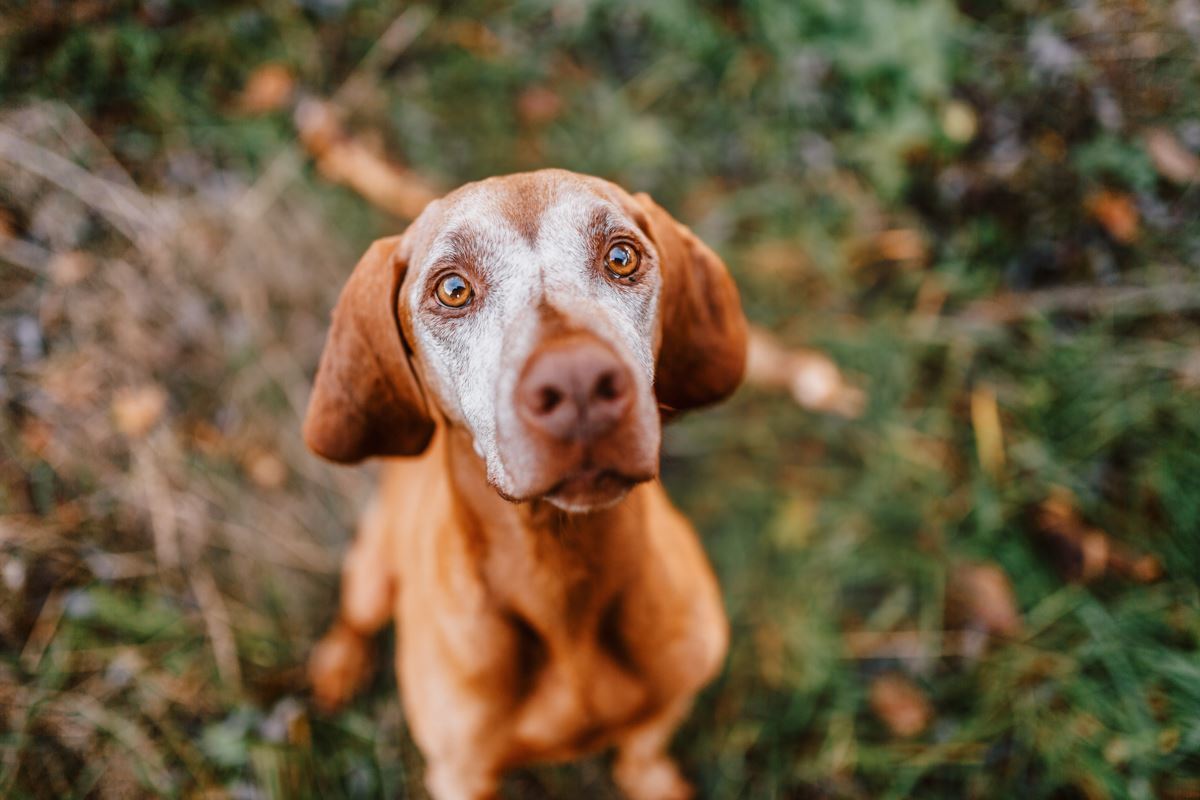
<point>339,666</point>
<point>652,779</point>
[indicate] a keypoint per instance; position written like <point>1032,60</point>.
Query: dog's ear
<point>366,400</point>
<point>703,350</point>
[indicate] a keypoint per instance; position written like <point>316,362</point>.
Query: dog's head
<point>550,315</point>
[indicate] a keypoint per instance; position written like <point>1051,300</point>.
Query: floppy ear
<point>703,350</point>
<point>366,400</point>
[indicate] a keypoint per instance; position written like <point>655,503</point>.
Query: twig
<point>1168,298</point>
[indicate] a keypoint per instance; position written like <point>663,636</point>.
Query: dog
<point>513,355</point>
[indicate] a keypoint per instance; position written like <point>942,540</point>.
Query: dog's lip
<point>590,489</point>
<point>595,478</point>
<point>586,479</point>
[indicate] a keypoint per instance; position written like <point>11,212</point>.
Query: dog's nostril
<point>548,399</point>
<point>607,387</point>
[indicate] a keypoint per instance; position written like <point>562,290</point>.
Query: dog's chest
<point>576,689</point>
<point>571,645</point>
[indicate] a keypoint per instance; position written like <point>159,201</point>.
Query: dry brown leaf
<point>901,244</point>
<point>207,438</point>
<point>1116,213</point>
<point>472,35</point>
<point>811,377</point>
<point>1052,146</point>
<point>1083,553</point>
<point>1172,160</point>
<point>68,269</point>
<point>980,596</point>
<point>137,409</point>
<point>777,257</point>
<point>269,88</point>
<point>343,159</point>
<point>538,105</point>
<point>36,436</point>
<point>265,468</point>
<point>900,704</point>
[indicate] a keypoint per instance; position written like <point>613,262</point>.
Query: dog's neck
<point>555,568</point>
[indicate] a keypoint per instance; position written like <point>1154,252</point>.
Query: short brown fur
<point>524,633</point>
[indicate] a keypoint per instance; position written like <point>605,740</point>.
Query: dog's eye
<point>622,260</point>
<point>453,291</point>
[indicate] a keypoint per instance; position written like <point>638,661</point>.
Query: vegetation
<point>982,585</point>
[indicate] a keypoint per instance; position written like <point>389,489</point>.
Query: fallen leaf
<point>137,409</point>
<point>900,704</point>
<point>538,105</point>
<point>811,377</point>
<point>269,88</point>
<point>207,438</point>
<point>901,244</point>
<point>1051,146</point>
<point>36,436</point>
<point>1116,213</point>
<point>67,269</point>
<point>1117,751</point>
<point>1171,158</point>
<point>1083,553</point>
<point>473,36</point>
<point>776,257</point>
<point>980,596</point>
<point>960,123</point>
<point>265,468</point>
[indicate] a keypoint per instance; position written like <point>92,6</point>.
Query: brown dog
<point>518,344</point>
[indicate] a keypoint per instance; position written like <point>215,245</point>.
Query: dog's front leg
<point>457,781</point>
<point>342,661</point>
<point>643,769</point>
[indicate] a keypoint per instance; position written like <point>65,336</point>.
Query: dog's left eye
<point>622,260</point>
<point>453,291</point>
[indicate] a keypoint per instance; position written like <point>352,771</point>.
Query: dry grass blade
<point>218,624</point>
<point>989,433</point>
<point>126,209</point>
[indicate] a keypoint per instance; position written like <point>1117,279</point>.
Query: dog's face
<point>549,315</point>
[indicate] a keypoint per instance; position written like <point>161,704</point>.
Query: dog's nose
<point>575,388</point>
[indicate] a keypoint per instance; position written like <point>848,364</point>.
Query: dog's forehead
<point>549,206</point>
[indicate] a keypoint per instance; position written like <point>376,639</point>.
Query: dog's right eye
<point>453,291</point>
<point>622,260</point>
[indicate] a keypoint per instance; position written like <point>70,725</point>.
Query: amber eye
<point>453,291</point>
<point>622,260</point>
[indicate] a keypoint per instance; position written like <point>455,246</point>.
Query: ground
<point>979,582</point>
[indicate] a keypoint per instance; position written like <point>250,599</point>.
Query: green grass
<point>158,601</point>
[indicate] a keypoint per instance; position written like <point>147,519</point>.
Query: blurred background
<point>955,511</point>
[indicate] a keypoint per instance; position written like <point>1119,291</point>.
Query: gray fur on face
<point>523,270</point>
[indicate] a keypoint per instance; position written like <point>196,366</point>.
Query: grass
<point>169,551</point>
